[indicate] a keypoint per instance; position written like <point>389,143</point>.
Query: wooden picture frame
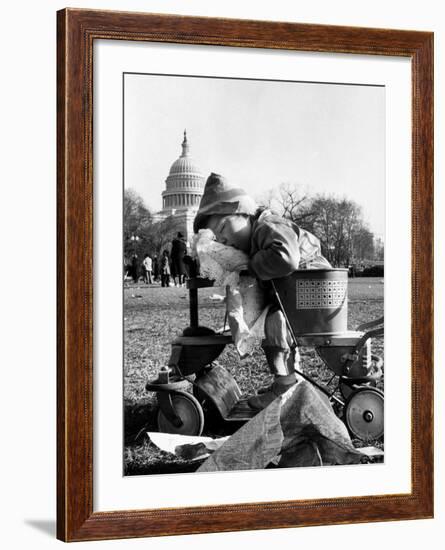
<point>77,31</point>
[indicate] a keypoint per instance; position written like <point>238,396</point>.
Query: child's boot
<point>281,364</point>
<point>293,364</point>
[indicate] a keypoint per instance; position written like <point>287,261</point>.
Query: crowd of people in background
<point>169,269</point>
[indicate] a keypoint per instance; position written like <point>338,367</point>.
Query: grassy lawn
<point>153,316</point>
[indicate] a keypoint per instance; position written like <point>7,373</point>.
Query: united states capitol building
<point>184,187</point>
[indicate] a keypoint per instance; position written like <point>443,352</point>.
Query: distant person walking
<point>165,269</point>
<point>147,265</point>
<point>179,250</point>
<point>155,268</point>
<point>134,268</point>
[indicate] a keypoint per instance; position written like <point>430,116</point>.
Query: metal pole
<point>193,294</point>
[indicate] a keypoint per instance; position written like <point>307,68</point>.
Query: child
<point>276,248</point>
<point>165,269</point>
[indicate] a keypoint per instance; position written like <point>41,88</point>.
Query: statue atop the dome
<point>185,145</point>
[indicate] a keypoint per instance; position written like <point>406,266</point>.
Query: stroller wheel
<point>189,411</point>
<point>363,413</point>
<point>346,389</point>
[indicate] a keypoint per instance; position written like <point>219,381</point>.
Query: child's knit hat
<point>220,198</point>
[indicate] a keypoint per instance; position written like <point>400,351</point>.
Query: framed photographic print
<point>244,275</point>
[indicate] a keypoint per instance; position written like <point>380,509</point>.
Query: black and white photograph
<point>225,323</point>
<point>253,274</point>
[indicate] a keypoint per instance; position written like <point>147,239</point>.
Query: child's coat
<point>279,247</point>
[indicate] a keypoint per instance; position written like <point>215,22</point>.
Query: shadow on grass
<point>139,417</point>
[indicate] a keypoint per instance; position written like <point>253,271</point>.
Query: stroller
<point>314,304</point>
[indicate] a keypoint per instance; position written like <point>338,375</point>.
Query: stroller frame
<point>347,355</point>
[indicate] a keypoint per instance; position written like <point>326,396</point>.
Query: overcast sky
<point>328,138</point>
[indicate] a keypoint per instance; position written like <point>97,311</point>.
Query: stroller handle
<point>371,324</point>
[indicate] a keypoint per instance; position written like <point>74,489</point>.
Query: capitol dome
<point>184,183</point>
<point>184,165</point>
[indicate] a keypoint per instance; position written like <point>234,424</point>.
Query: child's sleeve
<point>278,252</point>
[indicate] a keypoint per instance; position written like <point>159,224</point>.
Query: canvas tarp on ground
<point>299,428</point>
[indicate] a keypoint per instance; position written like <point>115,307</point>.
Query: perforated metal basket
<point>315,300</point>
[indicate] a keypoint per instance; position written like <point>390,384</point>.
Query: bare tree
<point>135,212</point>
<point>339,225</point>
<point>363,246</point>
<point>379,249</point>
<point>143,234</point>
<point>337,222</point>
<point>136,219</point>
<point>161,233</point>
<point>288,200</point>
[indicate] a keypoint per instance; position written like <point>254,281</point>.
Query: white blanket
<point>246,308</point>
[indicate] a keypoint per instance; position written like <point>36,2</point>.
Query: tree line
<point>142,234</point>
<point>337,222</point>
